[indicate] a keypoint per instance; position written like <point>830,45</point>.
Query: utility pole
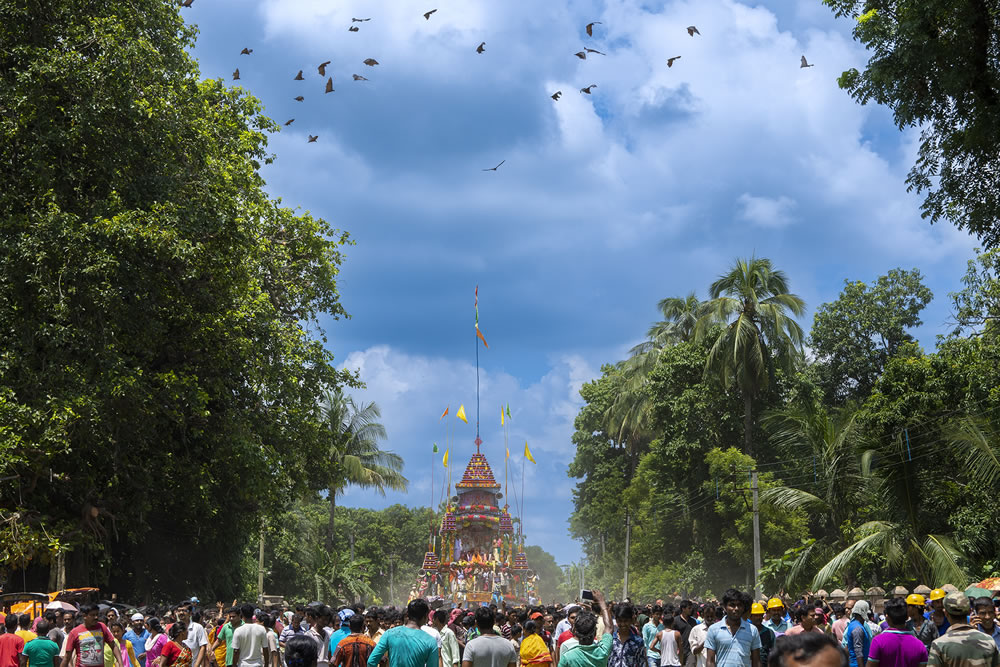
<point>260,570</point>
<point>756,535</point>
<point>628,541</point>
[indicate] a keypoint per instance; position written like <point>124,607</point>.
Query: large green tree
<point>936,65</point>
<point>854,336</point>
<point>158,379</point>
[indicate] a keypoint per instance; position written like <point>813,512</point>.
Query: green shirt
<point>41,651</point>
<point>592,655</point>
<point>227,636</point>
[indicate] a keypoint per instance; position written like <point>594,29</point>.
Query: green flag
<point>435,448</point>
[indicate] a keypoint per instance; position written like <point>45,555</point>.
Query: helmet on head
<point>915,599</point>
<point>775,603</point>
<point>756,608</point>
<point>937,594</point>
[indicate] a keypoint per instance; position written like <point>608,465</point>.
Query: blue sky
<point>606,203</point>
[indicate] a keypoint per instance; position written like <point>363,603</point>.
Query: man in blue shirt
<point>137,635</point>
<point>985,619</point>
<point>733,642</point>
<point>408,645</point>
<point>776,621</point>
<point>345,629</point>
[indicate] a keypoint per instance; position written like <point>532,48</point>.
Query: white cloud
<point>773,213</point>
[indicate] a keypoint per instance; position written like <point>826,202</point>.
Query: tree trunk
<point>329,526</point>
<point>747,423</point>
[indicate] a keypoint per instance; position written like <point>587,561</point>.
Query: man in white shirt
<point>250,647</point>
<point>197,639</point>
<point>696,638</point>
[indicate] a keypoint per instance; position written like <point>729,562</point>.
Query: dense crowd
<point>945,631</point>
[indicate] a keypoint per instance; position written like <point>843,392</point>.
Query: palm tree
<point>752,301</point>
<point>355,457</point>
<point>680,317</point>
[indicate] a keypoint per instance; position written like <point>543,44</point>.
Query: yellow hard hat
<point>937,594</point>
<point>776,603</point>
<point>756,608</point>
<point>915,599</point>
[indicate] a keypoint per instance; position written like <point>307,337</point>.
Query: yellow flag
<point>445,460</point>
<point>461,414</point>
<point>508,452</point>
<point>501,416</point>
<point>527,452</point>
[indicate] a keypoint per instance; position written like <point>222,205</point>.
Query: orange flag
<point>444,414</point>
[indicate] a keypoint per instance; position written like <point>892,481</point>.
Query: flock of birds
<point>371,62</point>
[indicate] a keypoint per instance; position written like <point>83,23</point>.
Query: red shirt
<point>89,644</point>
<point>564,636</point>
<point>11,647</point>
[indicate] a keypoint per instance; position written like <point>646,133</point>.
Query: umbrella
<point>992,584</point>
<point>61,606</point>
<point>976,592</point>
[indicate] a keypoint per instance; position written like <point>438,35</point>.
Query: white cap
<point>138,617</point>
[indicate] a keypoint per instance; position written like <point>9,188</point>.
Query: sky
<point>649,187</point>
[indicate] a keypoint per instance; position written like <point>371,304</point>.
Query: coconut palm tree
<point>680,317</point>
<point>355,458</point>
<point>753,303</point>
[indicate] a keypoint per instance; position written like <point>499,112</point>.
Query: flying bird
<point>805,63</point>
<point>353,28</point>
<point>299,77</point>
<point>359,20</point>
<point>371,62</point>
<point>289,122</point>
<point>582,55</point>
<point>312,139</point>
<point>590,27</point>
<point>556,95</point>
<point>299,98</point>
<point>358,77</point>
<point>236,74</point>
<point>693,31</point>
<point>481,48</point>
<point>322,68</point>
<point>594,51</point>
<point>329,85</point>
<point>187,3</point>
<point>588,88</point>
<point>670,61</point>
<point>496,167</point>
<point>246,51</point>
<point>427,15</point>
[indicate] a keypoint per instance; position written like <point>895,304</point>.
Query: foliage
<point>934,63</point>
<point>158,379</point>
<point>977,305</point>
<point>855,336</point>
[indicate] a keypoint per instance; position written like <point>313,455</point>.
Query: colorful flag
<point>508,452</point>
<point>461,414</point>
<point>435,448</point>
<point>501,416</point>
<point>444,414</point>
<point>482,337</point>
<point>445,460</point>
<point>527,452</point>
<point>508,411</point>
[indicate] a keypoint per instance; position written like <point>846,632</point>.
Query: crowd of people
<point>948,630</point>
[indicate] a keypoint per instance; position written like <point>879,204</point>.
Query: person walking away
<point>354,649</point>
<point>175,653</point>
<point>567,634</point>
<point>936,613</point>
<point>649,630</point>
<point>922,628</point>
<point>733,642</point>
<point>86,641</point>
<point>488,649</point>
<point>408,645</point>
<point>534,651</point>
<point>896,646</point>
<point>450,655</point>
<point>767,637</point>
<point>683,622</point>
<point>137,634</point>
<point>984,619</point>
<point>857,636</point>
<point>776,621</point>
<point>301,651</point>
<point>267,620</point>
<point>24,628</point>
<point>808,649</point>
<point>42,651</point>
<point>805,622</point>
<point>344,616</point>
<point>590,650</point>
<point>668,640</point>
<point>11,646</point>
<point>698,634</point>
<point>962,645</point>
<point>843,620</point>
<point>250,641</point>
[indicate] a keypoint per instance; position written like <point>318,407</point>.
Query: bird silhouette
<point>805,63</point>
<point>481,48</point>
<point>358,77</point>
<point>187,3</point>
<point>670,61</point>
<point>588,88</point>
<point>329,85</point>
<point>496,167</point>
<point>289,122</point>
<point>322,68</point>
<point>582,55</point>
<point>236,74</point>
<point>427,15</point>
<point>312,139</point>
<point>590,27</point>
<point>594,51</point>
<point>371,62</point>
<point>246,51</point>
<point>299,98</point>
<point>556,95</point>
<point>693,31</point>
<point>299,77</point>
<point>359,20</point>
<point>353,28</point>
